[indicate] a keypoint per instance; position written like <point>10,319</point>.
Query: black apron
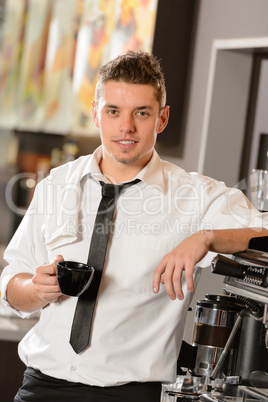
<point>38,387</point>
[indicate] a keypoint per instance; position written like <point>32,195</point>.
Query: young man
<point>163,230</point>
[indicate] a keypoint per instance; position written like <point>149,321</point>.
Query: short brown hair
<point>134,68</point>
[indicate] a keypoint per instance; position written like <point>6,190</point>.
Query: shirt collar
<point>92,167</point>
<point>151,174</point>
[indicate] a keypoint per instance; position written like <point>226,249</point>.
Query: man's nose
<point>127,123</point>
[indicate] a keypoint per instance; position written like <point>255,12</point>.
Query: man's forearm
<point>230,241</point>
<point>21,294</point>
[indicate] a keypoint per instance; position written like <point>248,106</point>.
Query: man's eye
<point>112,112</point>
<point>142,114</point>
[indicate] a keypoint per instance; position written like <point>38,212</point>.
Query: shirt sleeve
<point>27,248</point>
<point>228,208</point>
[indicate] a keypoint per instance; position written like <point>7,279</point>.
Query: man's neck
<point>119,174</point>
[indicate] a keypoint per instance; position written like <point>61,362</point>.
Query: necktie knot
<point>113,190</point>
<point>110,190</point>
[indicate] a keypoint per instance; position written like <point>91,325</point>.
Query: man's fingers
<point>58,258</point>
<point>169,280</point>
<point>189,279</point>
<point>176,279</point>
<point>169,272</point>
<point>157,278</point>
<point>45,280</point>
<point>164,274</point>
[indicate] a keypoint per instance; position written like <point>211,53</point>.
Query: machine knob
<point>222,265</point>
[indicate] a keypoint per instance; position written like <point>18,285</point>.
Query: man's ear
<point>163,119</point>
<point>95,114</point>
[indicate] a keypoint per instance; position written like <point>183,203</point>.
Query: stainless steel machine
<point>228,359</point>
<point>246,349</point>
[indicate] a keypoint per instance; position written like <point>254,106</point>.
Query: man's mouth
<point>126,142</point>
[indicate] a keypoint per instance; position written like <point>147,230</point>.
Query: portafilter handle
<point>259,379</point>
<point>222,265</point>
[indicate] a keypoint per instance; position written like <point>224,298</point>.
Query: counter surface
<point>14,329</point>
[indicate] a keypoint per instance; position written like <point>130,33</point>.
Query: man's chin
<point>126,160</point>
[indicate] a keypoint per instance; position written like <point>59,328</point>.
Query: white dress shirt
<point>136,334</point>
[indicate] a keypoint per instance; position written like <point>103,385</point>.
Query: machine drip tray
<point>244,394</point>
<point>252,394</point>
<point>219,398</point>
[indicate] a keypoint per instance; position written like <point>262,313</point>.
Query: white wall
<point>226,108</point>
<point>261,116</point>
<point>218,19</point>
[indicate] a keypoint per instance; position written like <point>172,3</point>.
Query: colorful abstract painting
<point>51,54</point>
<point>10,60</point>
<point>108,28</point>
<point>31,84</point>
<point>60,55</point>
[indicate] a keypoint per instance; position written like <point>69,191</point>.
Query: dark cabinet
<point>11,370</point>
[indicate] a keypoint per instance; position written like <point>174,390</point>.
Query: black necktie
<point>83,315</point>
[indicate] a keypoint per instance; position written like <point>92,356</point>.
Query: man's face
<point>129,120</point>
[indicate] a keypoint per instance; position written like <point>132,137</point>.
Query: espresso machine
<point>228,358</point>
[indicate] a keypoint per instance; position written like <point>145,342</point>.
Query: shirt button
<point>73,368</point>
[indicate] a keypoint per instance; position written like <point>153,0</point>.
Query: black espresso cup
<point>74,277</point>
